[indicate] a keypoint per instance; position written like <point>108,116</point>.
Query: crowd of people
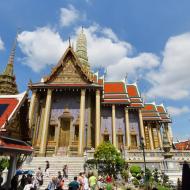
<point>83,182</point>
<point>33,181</point>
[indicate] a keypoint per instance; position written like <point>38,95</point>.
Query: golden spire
<point>81,48</point>
<point>9,67</point>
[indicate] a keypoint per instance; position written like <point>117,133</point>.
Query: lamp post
<point>86,129</point>
<point>144,160</point>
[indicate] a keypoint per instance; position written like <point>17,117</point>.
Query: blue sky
<point>148,40</point>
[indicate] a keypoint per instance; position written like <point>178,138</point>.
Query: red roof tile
<point>132,90</point>
<point>115,92</point>
<point>114,87</point>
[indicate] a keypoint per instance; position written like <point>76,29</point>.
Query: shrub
<point>135,182</point>
<point>135,169</point>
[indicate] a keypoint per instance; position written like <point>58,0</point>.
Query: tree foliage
<point>109,159</point>
<point>135,169</point>
<point>4,163</point>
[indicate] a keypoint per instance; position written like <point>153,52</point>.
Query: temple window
<point>51,133</point>
<point>106,136</point>
<point>133,141</point>
<point>120,138</point>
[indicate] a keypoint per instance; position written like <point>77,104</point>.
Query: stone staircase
<point>75,166</point>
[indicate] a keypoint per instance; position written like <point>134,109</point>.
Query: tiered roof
<point>153,112</point>
<point>115,92</point>
<point>163,114</point>
<point>134,95</point>
<point>150,112</point>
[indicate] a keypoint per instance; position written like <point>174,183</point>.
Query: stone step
<point>75,166</point>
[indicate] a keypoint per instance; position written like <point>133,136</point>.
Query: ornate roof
<point>163,114</point>
<point>150,112</point>
<point>115,92</point>
<point>10,145</point>
<point>9,104</point>
<point>134,95</point>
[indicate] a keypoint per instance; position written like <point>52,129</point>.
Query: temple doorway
<point>64,135</point>
<point>65,128</point>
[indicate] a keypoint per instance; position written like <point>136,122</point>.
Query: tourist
<point>23,182</point>
<point>60,185</point>
<point>52,184</point>
<point>47,168</point>
<point>29,185</point>
<point>81,181</point>
<point>108,179</point>
<point>65,171</point>
<point>39,176</point>
<point>86,186</point>
<point>74,185</point>
<point>100,183</point>
<point>14,182</point>
<point>92,182</point>
<point>59,176</point>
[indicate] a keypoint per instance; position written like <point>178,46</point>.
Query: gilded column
<point>127,129</point>
<point>44,133</point>
<point>89,143</point>
<point>150,137</point>
<point>97,141</point>
<point>167,133</point>
<point>31,109</point>
<point>113,126</point>
<point>82,120</point>
<point>141,125</point>
<point>159,137</point>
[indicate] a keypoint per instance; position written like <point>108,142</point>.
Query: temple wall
<point>120,121</point>
<point>106,120</point>
<point>134,123</point>
<point>66,99</point>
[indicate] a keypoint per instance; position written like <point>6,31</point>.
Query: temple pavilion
<point>73,110</point>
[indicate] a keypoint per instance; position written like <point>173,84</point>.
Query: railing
<point>150,155</point>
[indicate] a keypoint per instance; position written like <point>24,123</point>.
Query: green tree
<point>4,163</point>
<point>109,159</point>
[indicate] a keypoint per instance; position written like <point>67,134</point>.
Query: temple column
<point>127,129</point>
<point>11,170</point>
<point>89,143</point>
<point>167,132</point>
<point>97,133</point>
<point>31,109</point>
<point>159,137</point>
<point>41,120</point>
<point>82,120</point>
<point>113,126</point>
<point>44,132</point>
<point>150,137</point>
<point>141,125</point>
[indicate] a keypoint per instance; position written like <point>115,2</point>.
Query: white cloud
<point>41,47</point>
<point>70,15</point>
<point>1,44</point>
<point>174,111</point>
<point>44,46</point>
<point>172,80</point>
<point>106,50</point>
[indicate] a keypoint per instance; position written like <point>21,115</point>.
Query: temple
<point>73,109</point>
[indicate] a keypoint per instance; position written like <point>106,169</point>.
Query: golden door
<point>64,133</point>
<point>133,141</point>
<point>120,141</point>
